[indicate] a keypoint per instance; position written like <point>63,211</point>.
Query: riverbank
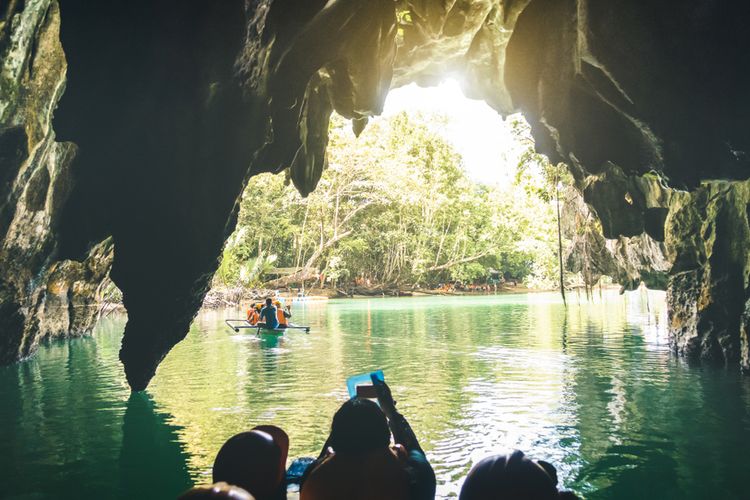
<point>219,297</point>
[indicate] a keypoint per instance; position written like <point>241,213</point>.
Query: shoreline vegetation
<point>238,297</point>
<point>232,297</point>
<point>220,297</point>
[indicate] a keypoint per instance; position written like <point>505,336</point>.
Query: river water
<point>591,388</point>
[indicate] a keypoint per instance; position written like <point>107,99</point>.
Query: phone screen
<point>367,391</point>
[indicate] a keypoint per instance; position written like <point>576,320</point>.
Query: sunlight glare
<point>486,142</point>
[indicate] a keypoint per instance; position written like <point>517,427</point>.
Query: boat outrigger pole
<point>243,324</point>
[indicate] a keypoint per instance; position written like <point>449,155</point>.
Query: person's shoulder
<point>419,465</point>
<point>320,473</point>
<point>417,456</point>
<point>422,474</point>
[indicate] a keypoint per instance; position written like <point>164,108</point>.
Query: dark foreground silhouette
<point>371,454</point>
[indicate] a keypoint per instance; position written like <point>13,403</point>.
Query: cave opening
<point>439,192</point>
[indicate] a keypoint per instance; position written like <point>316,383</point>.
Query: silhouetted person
<point>215,492</point>
<point>357,461</point>
<point>281,440</point>
<point>512,476</point>
<point>254,461</point>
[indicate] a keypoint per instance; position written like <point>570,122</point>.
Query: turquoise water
<point>592,389</point>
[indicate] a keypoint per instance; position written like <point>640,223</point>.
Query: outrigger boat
<point>243,324</point>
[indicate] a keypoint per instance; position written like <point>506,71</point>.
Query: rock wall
<point>173,104</point>
<point>41,296</point>
<point>708,236</point>
<point>628,260</point>
<point>166,131</point>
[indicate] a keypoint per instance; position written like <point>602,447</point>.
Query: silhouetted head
<point>281,440</point>
<point>512,477</point>
<point>269,302</point>
<point>215,492</point>
<point>359,426</point>
<point>250,460</point>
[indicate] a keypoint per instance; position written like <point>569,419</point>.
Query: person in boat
<point>268,315</point>
<point>357,461</point>
<point>282,315</point>
<point>513,476</point>
<point>253,315</point>
<point>216,491</point>
<point>255,461</point>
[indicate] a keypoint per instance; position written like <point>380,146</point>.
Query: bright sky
<point>478,133</point>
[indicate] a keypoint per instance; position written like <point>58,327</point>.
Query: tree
<point>395,207</point>
<point>549,179</point>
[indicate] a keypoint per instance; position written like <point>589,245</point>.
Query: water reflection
<point>70,429</point>
<point>152,463</point>
<point>591,388</point>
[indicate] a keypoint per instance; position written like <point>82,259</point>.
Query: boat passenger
<point>268,315</point>
<point>281,439</point>
<point>253,315</point>
<point>512,476</point>
<point>357,461</point>
<point>215,492</point>
<point>253,461</point>
<point>282,314</point>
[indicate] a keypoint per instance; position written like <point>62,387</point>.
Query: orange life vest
<point>252,316</point>
<point>280,316</point>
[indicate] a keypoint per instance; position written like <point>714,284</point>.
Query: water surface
<point>591,388</point>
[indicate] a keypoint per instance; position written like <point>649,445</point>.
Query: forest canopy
<point>395,207</point>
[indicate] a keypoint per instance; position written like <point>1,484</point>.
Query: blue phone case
<point>363,379</point>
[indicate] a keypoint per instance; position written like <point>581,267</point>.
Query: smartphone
<point>362,385</point>
<point>367,391</point>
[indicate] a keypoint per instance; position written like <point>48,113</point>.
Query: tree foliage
<point>395,206</point>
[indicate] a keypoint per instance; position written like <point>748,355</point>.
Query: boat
<point>243,324</point>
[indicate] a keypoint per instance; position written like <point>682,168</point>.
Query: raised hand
<point>387,403</point>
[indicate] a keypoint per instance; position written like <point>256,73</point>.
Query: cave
<point>128,130</point>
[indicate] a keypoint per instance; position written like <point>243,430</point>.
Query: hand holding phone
<point>385,398</point>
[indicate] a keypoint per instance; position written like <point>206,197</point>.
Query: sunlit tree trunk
<point>298,261</point>
<point>559,237</point>
<point>442,241</point>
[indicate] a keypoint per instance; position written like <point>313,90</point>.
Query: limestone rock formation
<point>173,104</point>
<point>628,260</point>
<point>708,236</point>
<point>166,132</point>
<point>41,296</point>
